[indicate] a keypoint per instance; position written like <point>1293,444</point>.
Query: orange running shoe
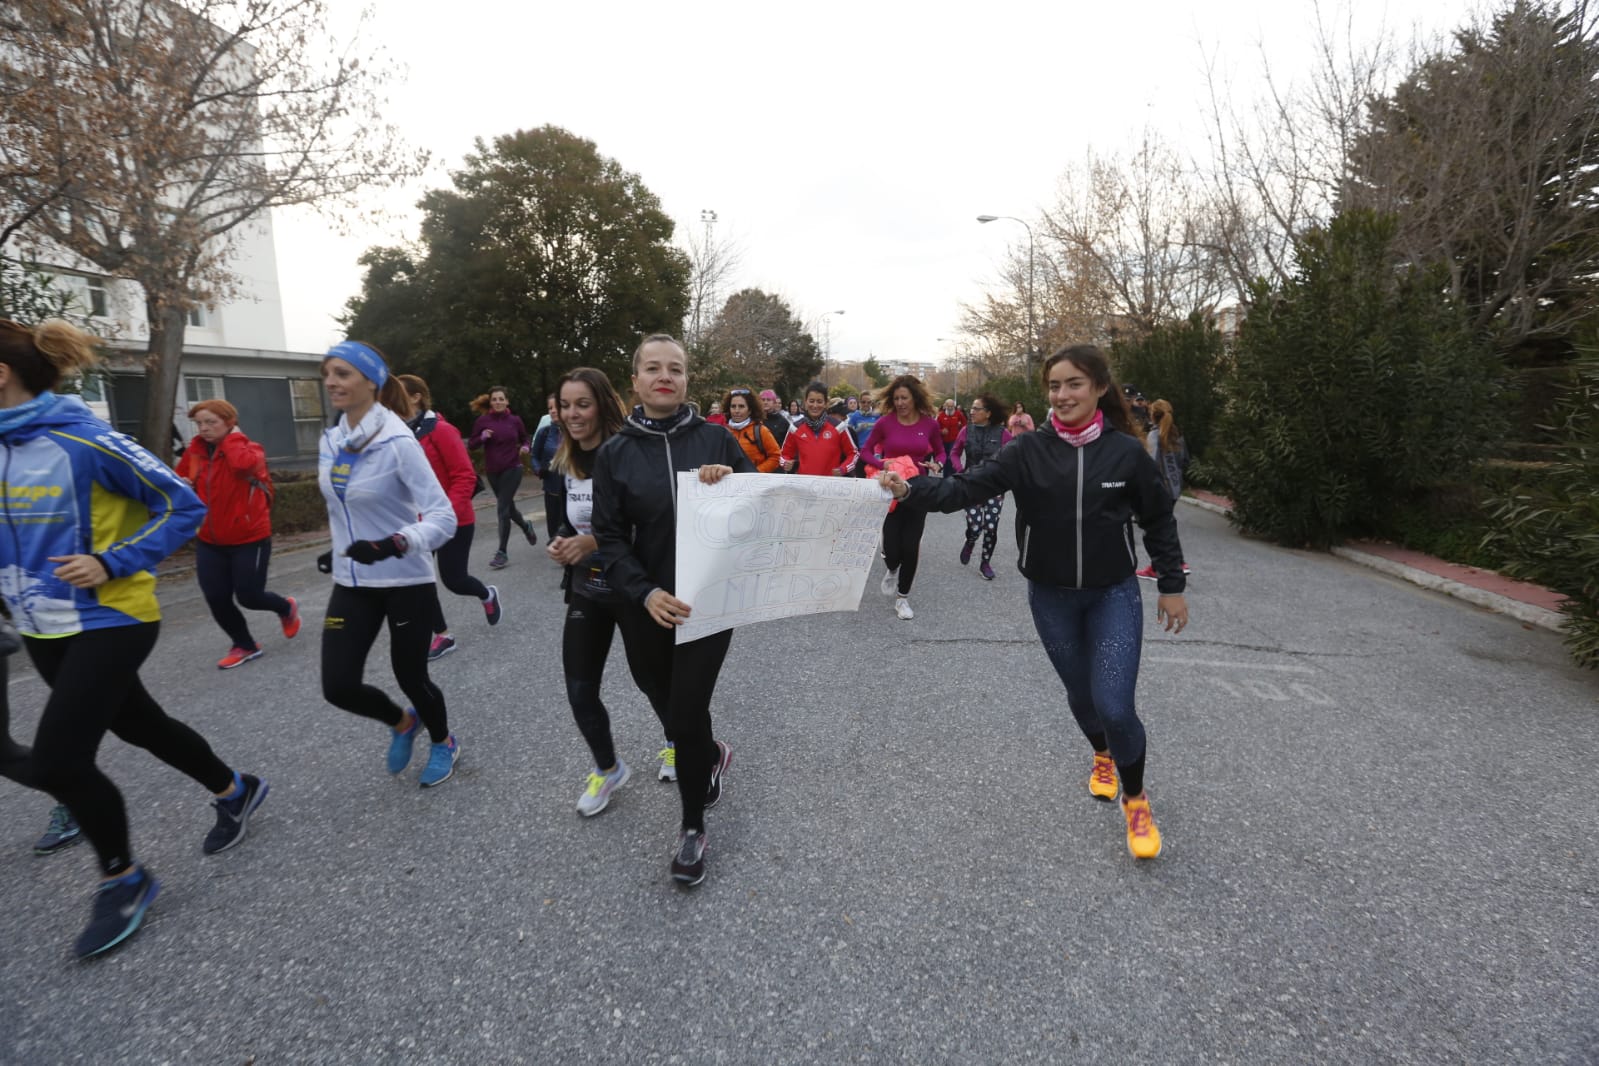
<point>291,624</point>
<point>238,656</point>
<point>1102,782</point>
<point>1143,839</point>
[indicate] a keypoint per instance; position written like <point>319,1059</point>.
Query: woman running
<point>591,413</point>
<point>979,441</point>
<point>1079,482</point>
<point>16,759</point>
<point>229,473</point>
<point>441,443</point>
<point>816,446</point>
<point>1020,421</point>
<point>635,524</point>
<point>546,442</point>
<point>1166,446</point>
<point>89,513</point>
<point>907,428</point>
<point>504,440</point>
<point>376,481</point>
<point>746,422</point>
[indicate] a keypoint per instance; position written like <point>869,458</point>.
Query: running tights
<point>984,519</point>
<point>902,543</point>
<point>681,678</point>
<point>229,572</point>
<point>14,757</point>
<point>585,645</point>
<point>354,617</point>
<point>505,483</point>
<point>95,688</point>
<point>1093,638</point>
<point>452,560</point>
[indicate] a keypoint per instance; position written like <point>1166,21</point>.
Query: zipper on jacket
<point>1027,539</point>
<point>671,477</point>
<point>1080,516</point>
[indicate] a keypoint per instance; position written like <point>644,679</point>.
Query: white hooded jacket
<point>390,483</point>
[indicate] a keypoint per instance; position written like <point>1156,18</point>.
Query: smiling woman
<point>635,525</point>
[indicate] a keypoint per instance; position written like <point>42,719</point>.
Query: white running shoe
<point>597,791</point>
<point>902,607</point>
<point>891,583</point>
<point>668,770</point>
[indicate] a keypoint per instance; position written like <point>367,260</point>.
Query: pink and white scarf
<point>1077,436</point>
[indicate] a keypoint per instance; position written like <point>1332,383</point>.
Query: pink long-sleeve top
<point>921,440</point>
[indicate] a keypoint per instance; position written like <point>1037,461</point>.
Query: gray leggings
<point>505,483</point>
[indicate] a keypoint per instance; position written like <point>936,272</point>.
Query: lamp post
<point>1032,346</point>
<point>955,378</point>
<point>827,335</point>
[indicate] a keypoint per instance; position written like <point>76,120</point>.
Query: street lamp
<point>827,335</point>
<point>1032,346</point>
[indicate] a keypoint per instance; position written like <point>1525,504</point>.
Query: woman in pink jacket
<point>442,444</point>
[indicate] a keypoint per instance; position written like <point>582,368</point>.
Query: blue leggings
<point>1093,638</point>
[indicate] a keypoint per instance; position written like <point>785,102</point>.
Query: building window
<point>305,394</point>
<point>197,317</point>
<point>198,389</point>
<point>99,305</point>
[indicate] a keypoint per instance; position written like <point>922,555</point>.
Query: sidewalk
<point>1521,600</point>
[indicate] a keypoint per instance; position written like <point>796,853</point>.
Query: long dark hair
<point>1091,361</point>
<point>913,385</point>
<point>569,457</point>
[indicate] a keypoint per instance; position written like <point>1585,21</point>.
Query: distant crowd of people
<point>90,513</point>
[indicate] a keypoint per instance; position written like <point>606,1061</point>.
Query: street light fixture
<point>827,334</point>
<point>1032,341</point>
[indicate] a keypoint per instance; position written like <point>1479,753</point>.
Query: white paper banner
<point>753,547</point>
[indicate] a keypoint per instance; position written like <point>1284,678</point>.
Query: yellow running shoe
<point>1102,782</point>
<point>1143,839</point>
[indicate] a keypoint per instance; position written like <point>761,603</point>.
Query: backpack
<point>260,476</point>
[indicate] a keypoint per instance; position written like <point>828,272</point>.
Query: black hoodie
<point>635,497</point>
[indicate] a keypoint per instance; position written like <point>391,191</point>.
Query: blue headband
<point>363,358</point>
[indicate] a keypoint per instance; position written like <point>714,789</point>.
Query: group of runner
<point>396,481</point>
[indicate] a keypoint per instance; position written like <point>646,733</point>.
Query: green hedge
<point>297,504</point>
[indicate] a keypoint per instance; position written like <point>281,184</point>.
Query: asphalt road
<point>1377,803</point>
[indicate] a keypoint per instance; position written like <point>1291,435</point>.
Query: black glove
<point>371,551</point>
<point>324,562</point>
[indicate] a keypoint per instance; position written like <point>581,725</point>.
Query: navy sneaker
<point>491,607</point>
<point>688,862</point>
<point>402,744</point>
<point>233,815</point>
<point>724,759</point>
<point>441,762</point>
<point>62,833</point>
<point>119,907</point>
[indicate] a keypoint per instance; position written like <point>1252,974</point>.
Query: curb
<point>1529,613</point>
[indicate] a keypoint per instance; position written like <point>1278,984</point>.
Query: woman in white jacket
<point>376,480</point>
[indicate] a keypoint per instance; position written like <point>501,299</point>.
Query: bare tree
<point>156,131</point>
<point>713,262</point>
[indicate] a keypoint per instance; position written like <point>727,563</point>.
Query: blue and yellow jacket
<point>71,485</point>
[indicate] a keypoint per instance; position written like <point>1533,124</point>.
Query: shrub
<point>1184,364</point>
<point>1550,529</point>
<point>297,505</point>
<point>1356,386</point>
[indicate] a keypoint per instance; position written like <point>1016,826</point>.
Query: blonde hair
<point>41,355</point>
<point>1171,438</point>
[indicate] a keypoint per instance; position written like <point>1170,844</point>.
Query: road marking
<point>1165,661</point>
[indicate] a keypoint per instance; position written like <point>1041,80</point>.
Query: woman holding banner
<point>635,528</point>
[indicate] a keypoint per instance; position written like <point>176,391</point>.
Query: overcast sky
<point>845,147</point>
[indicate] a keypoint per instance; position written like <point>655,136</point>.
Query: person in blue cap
<point>387,515</point>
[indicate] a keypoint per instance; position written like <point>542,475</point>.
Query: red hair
<point>221,408</point>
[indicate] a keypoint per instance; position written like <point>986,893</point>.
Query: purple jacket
<point>503,450</point>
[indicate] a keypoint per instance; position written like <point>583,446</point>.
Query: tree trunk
<point>162,363</point>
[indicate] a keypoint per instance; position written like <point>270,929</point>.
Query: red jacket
<point>829,453</point>
<point>232,481</point>
<point>950,425</point>
<point>445,449</point>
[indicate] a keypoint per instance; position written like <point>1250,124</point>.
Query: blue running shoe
<point>119,907</point>
<point>402,744</point>
<point>233,815</point>
<point>62,833</point>
<point>441,762</point>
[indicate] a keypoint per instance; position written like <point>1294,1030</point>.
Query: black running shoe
<point>724,759</point>
<point>688,864</point>
<point>234,815</point>
<point>119,907</point>
<point>63,832</point>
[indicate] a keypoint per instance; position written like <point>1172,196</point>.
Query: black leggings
<point>902,543</point>
<point>585,645</point>
<point>354,617</point>
<point>237,571</point>
<point>452,560</point>
<point>95,688</point>
<point>14,757</point>
<point>681,678</point>
<point>505,483</point>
